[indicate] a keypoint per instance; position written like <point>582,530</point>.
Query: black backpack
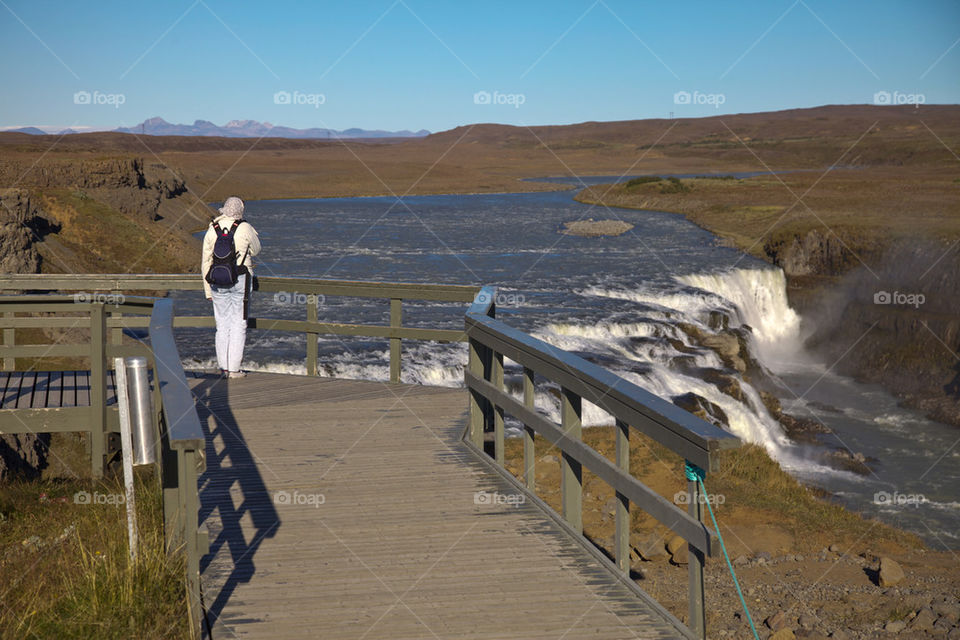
<point>224,272</point>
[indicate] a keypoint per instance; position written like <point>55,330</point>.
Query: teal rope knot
<point>694,473</point>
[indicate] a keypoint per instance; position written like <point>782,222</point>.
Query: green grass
<point>636,182</point>
<point>66,568</point>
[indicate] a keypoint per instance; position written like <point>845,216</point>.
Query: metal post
<point>571,478</point>
<point>126,453</point>
<point>312,352</point>
<point>141,412</point>
<point>622,541</point>
<point>98,388</point>
<point>529,452</point>
<point>698,620</point>
<point>396,321</point>
<point>497,379</point>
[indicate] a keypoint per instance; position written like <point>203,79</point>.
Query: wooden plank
<point>55,393</point>
<point>83,389</point>
<point>6,379</point>
<point>41,390</point>
<point>69,396</point>
<point>51,420</point>
<point>25,396</point>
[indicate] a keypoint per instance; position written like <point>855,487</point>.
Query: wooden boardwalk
<point>347,509</point>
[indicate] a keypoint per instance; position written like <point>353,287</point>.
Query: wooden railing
<point>311,290</point>
<point>176,421</point>
<point>630,406</point>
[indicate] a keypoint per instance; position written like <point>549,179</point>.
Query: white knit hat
<point>232,208</point>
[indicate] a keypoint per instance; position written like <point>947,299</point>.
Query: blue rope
<point>696,474</point>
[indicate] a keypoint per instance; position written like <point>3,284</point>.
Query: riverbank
<point>870,256</point>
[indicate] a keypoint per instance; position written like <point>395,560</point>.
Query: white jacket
<point>245,239</point>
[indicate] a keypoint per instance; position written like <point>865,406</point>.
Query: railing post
<point>698,621</point>
<point>189,528</point>
<point>571,478</point>
<point>529,452</point>
<point>116,333</point>
<point>312,352</point>
<point>497,379</point>
<point>396,321</point>
<point>622,536</point>
<point>98,387</point>
<point>9,340</point>
<point>475,365</point>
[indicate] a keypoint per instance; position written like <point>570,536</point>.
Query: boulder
<point>777,621</point>
<point>677,547</point>
<point>651,548</point>
<point>924,620</point>
<point>890,573</point>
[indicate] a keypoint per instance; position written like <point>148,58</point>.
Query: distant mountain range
<point>239,129</point>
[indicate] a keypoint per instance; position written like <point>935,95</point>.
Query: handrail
<point>183,444</point>
<point>491,340</point>
<point>310,289</point>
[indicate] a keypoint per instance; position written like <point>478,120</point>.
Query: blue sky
<point>412,64</point>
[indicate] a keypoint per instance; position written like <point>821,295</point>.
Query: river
<point>639,304</point>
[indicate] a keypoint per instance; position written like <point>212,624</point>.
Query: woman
<point>229,298</point>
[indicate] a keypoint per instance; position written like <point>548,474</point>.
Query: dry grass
<point>66,570</point>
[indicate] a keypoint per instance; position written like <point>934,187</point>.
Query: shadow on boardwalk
<point>232,468</point>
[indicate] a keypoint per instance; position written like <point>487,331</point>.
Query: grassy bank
<point>66,570</point>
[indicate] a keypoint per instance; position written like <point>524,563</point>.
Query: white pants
<point>231,323</point>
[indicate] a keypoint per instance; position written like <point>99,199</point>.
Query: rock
<point>763,555</point>
<point>807,620</point>
<point>783,634</point>
<point>550,458</point>
<point>777,621</point>
<point>949,610</point>
<point>890,572</point>
<point>839,634</point>
<point>702,408</point>
<point>924,620</point>
<point>651,548</point>
<point>740,560</point>
<point>895,626</point>
<point>677,547</point>
<point>591,228</point>
<point>835,548</point>
<point>942,625</point>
